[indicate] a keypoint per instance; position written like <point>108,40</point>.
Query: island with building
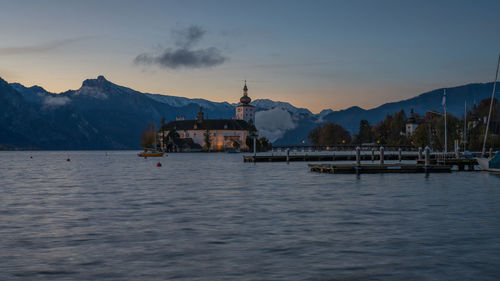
<point>201,134</point>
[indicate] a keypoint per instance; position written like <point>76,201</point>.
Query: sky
<point>313,54</point>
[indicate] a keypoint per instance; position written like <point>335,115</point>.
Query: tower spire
<point>245,99</point>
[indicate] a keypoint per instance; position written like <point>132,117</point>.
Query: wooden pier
<point>425,161</point>
<point>378,168</point>
<point>461,163</point>
<point>324,157</point>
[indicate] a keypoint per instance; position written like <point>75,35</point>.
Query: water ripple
<point>213,217</point>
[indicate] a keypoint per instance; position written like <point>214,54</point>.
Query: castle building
<point>245,111</point>
<point>211,134</point>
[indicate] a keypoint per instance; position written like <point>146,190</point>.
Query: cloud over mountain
<point>43,47</point>
<point>273,123</point>
<point>184,56</point>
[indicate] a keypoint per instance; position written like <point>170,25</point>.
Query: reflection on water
<point>213,217</point>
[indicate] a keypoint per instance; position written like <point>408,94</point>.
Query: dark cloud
<point>48,46</point>
<point>184,56</point>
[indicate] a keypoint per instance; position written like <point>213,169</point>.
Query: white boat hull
<point>483,162</point>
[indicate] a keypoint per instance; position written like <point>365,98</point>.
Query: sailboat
<point>151,153</point>
<point>493,164</point>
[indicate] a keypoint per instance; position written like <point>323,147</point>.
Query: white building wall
<point>411,128</point>
<point>217,137</point>
<point>246,113</point>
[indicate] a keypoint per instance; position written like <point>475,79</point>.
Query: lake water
<point>213,217</point>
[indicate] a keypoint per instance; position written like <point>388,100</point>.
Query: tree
<point>171,139</point>
<point>391,130</point>
<point>421,137</point>
<point>454,131</point>
<point>173,135</point>
<point>431,133</point>
<point>207,140</point>
<point>263,144</point>
<point>396,135</point>
<point>329,134</point>
<point>313,135</point>
<point>365,132</point>
<point>148,137</point>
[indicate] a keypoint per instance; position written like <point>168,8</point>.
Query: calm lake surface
<point>213,217</point>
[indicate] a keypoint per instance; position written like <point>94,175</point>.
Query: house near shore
<point>412,123</point>
<point>211,134</point>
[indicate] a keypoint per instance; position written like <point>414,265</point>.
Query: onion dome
<point>245,99</point>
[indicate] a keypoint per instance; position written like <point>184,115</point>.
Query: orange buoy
<point>159,164</point>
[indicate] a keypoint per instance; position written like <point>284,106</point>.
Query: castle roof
<point>210,124</point>
<point>245,99</point>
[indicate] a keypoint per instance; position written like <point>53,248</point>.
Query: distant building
<point>412,123</point>
<point>222,134</point>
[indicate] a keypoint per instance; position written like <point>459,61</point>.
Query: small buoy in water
<point>68,159</point>
<point>159,164</point>
<point>31,157</point>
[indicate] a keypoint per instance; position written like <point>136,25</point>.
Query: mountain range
<point>103,115</point>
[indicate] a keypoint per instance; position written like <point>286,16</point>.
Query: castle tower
<point>245,111</point>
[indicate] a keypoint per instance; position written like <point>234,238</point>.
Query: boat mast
<point>445,133</point>
<point>465,124</point>
<point>491,107</point>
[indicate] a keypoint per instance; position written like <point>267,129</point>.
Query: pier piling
<point>381,155</point>
<point>254,146</point>
<point>358,158</point>
<point>427,156</point>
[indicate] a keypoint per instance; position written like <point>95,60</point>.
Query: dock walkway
<point>378,168</point>
<point>313,157</point>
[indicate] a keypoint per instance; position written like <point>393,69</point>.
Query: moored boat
<point>490,165</point>
<point>151,154</point>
